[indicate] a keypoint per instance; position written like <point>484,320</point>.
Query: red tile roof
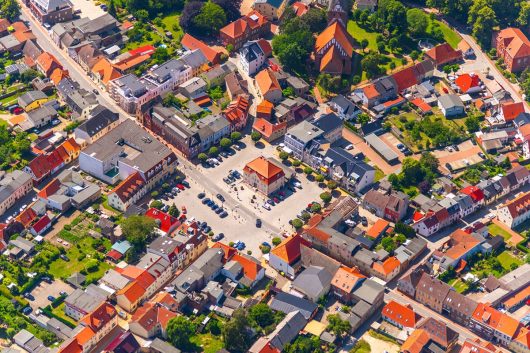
<point>474,192</point>
<point>267,171</point>
<point>300,8</point>
<point>251,266</point>
<point>467,81</point>
<point>377,228</point>
<point>388,266</point>
<point>166,221</point>
<point>405,78</point>
<point>516,43</point>
<point>129,187</point>
<point>421,104</point>
<point>26,217</point>
<point>510,111</point>
<point>228,250</point>
<point>41,224</point>
<point>266,128</point>
<point>289,249</point>
<point>133,292</point>
<point>335,32</point>
<point>403,315</point>
<point>443,54</point>
<point>191,43</point>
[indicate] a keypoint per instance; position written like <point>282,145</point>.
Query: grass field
<point>359,34</point>
<point>361,347</point>
<point>458,285</point>
<point>171,23</point>
<point>63,269</point>
<point>59,311</point>
<point>450,36</point>
<point>507,259</point>
<point>207,343</point>
<point>496,230</point>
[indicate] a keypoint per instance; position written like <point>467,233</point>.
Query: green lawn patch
<point>207,343</point>
<point>361,347</point>
<point>496,230</point>
<point>171,24</point>
<point>359,34</point>
<point>450,36</point>
<point>507,260</point>
<point>79,253</point>
<point>459,285</point>
<point>59,311</point>
<point>379,174</point>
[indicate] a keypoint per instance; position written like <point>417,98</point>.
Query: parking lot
<point>43,290</point>
<point>88,8</point>
<point>466,155</point>
<point>240,224</point>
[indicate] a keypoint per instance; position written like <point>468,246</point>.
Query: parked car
<point>270,202</point>
<point>181,187</point>
<point>26,310</point>
<point>28,296</point>
<point>223,214</point>
<point>297,184</point>
<point>165,208</point>
<point>219,210</point>
<point>51,298</point>
<point>64,257</point>
<point>205,201</point>
<point>349,147</point>
<point>266,206</point>
<point>185,183</point>
<point>220,197</point>
<point>258,223</point>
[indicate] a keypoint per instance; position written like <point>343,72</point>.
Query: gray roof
<point>361,309</point>
<point>351,166</point>
<point>345,104</point>
<point>43,112</point>
<point>24,244</point>
<point>288,303</point>
<point>135,146</point>
<point>30,97</point>
<point>84,301</point>
<point>287,329</point>
<point>212,124</point>
<point>297,82</point>
<point>450,101</point>
<point>164,245</point>
<point>305,132</point>
<point>369,291</point>
<point>11,182</point>
<point>76,279</point>
<point>382,148</point>
<point>313,281</point>
<point>194,58</point>
<point>162,347</point>
<point>100,118</point>
<point>328,122</point>
<point>98,24</point>
<point>131,85</point>
<point>163,72</point>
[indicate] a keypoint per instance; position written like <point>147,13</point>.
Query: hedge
<point>48,312</point>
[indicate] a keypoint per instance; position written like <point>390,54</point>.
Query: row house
<point>99,122</point>
<point>515,212</point>
<point>391,206</point>
<point>14,186</point>
<point>127,192</point>
<point>49,12</point>
<point>493,325</point>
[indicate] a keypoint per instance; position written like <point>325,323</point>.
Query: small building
<point>268,86</point>
<point>451,105</point>
<point>264,175</point>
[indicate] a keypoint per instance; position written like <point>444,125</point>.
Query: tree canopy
<point>137,230</point>
<point>235,332</point>
<point>179,331</point>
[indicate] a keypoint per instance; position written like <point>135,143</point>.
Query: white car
<point>266,206</point>
<point>349,147</point>
<point>297,185</point>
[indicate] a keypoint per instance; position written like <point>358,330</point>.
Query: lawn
<point>507,259</point>
<point>496,230</point>
<point>207,343</point>
<point>359,34</point>
<point>450,36</point>
<point>361,347</point>
<point>459,285</point>
<point>59,311</point>
<point>379,174</point>
<point>171,23</point>
<point>83,246</point>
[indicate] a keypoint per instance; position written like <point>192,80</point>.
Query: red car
<point>276,200</point>
<point>180,186</point>
<point>18,111</point>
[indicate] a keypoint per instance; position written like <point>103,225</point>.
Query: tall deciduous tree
<point>210,19</point>
<point>179,332</point>
<point>235,332</point>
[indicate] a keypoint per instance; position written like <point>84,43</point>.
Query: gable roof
<point>444,53</point>
<point>267,81</point>
<point>289,249</point>
<point>515,42</point>
<point>265,168</point>
<point>129,187</point>
<point>511,110</point>
<point>105,70</point>
<point>386,267</point>
<point>460,243</point>
<point>192,43</point>
<point>337,32</point>
<point>467,81</point>
<point>166,221</point>
<point>401,314</point>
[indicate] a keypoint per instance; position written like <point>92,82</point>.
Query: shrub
<point>276,241</point>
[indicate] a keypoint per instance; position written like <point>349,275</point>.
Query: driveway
<point>375,159</point>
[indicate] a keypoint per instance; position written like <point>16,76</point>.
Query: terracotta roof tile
<point>403,315</point>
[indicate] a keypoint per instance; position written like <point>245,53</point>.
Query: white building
<point>252,57</point>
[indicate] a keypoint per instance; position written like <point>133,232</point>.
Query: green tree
<point>370,64</point>
<point>261,314</point>
<point>276,241</point>
<point>288,92</point>
<point>388,244</point>
<point>236,334</point>
<point>179,332</point>
<point>137,230</point>
<point>296,223</point>
<point>213,151</point>
<point>296,163</point>
<point>472,123</point>
<point>235,136</point>
<point>417,21</point>
<point>483,19</point>
<point>332,185</point>
<point>156,204</point>
<point>308,170</point>
<point>173,211</point>
<point>255,136</point>
<point>112,9</point>
<point>414,55</point>
<point>211,18</point>
<point>364,43</point>
<point>225,143</point>
<point>326,197</point>
<point>202,157</point>
<point>363,118</point>
<point>284,155</point>
<point>142,15</point>
<point>338,326</point>
<point>316,19</point>
<point>10,9</point>
<point>319,178</point>
<point>316,207</point>
<point>28,75</point>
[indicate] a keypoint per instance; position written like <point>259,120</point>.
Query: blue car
<point>240,246</point>
<point>266,244</point>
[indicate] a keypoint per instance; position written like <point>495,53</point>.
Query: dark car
<point>258,223</point>
<point>95,91</point>
<point>223,214</point>
<point>214,207</point>
<point>201,195</point>
<point>26,310</point>
<point>51,298</point>
<point>28,296</point>
<point>47,279</point>
<point>64,257</point>
<point>221,197</point>
<point>219,210</point>
<point>205,201</point>
<point>270,202</point>
<point>207,229</point>
<point>185,183</point>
